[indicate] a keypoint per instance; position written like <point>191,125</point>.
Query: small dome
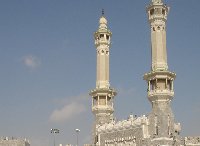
<point>102,20</point>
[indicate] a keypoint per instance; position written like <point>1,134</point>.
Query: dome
<point>102,20</point>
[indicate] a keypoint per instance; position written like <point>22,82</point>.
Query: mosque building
<point>159,127</point>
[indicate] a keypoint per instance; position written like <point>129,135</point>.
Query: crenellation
<point>11,141</point>
<point>123,125</point>
<point>192,141</point>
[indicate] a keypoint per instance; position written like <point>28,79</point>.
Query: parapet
<point>131,122</point>
<point>192,141</point>
<point>11,141</point>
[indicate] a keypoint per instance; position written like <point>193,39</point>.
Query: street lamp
<point>77,132</point>
<point>54,131</point>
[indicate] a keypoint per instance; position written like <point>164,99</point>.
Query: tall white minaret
<point>160,80</point>
<point>102,42</point>
<point>157,13</point>
<point>103,94</point>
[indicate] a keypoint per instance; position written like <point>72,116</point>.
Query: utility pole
<point>77,132</point>
<point>54,131</point>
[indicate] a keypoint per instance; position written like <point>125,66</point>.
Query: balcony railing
<point>160,92</point>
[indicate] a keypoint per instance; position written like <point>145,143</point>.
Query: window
<point>101,35</point>
<point>168,120</point>
<point>95,101</point>
<point>156,124</point>
<point>97,38</point>
<point>163,11</point>
<point>107,37</point>
<point>102,100</point>
<point>151,11</point>
<point>169,84</point>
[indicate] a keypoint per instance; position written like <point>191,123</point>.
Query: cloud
<point>31,62</point>
<point>67,112</point>
<point>70,99</point>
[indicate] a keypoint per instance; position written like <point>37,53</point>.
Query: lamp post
<point>54,131</point>
<point>77,132</point>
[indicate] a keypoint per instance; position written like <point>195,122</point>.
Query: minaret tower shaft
<point>159,79</point>
<point>103,94</point>
<point>157,13</point>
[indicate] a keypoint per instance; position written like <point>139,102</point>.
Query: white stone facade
<point>158,128</point>
<point>5,141</point>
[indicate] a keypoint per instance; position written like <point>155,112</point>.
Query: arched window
<point>101,35</point>
<point>163,11</point>
<point>107,37</point>
<point>151,11</point>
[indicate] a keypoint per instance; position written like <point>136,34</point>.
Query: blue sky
<point>48,64</point>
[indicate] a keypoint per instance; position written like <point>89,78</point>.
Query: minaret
<point>102,95</point>
<point>159,79</point>
<point>157,12</point>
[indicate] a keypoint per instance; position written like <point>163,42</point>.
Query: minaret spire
<point>103,94</point>
<point>160,80</point>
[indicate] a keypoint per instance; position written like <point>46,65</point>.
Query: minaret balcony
<point>158,16</point>
<point>153,75</point>
<point>100,42</point>
<point>103,108</point>
<point>158,92</point>
<point>103,92</point>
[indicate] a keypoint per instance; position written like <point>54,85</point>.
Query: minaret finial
<point>102,12</point>
<point>103,21</point>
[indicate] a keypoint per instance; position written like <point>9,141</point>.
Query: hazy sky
<point>48,64</point>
